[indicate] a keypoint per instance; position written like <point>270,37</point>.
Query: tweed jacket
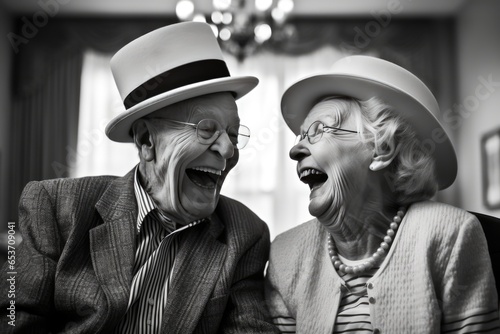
<point>74,266</point>
<point>437,273</point>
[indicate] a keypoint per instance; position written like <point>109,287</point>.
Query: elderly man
<point>158,250</point>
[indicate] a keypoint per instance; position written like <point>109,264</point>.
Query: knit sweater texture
<point>436,273</point>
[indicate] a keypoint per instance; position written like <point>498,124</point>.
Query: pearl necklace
<point>375,258</point>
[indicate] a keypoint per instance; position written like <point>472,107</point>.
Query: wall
<point>6,54</point>
<point>478,42</point>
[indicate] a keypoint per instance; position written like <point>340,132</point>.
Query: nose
<point>223,146</point>
<point>299,151</point>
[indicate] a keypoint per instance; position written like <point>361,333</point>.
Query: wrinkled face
<point>186,176</point>
<point>336,167</point>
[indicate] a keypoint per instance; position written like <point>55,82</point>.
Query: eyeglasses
<point>316,130</point>
<point>208,130</point>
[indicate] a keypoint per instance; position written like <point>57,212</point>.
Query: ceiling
<point>302,7</point>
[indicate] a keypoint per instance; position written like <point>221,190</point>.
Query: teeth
<point>208,170</point>
<point>309,171</point>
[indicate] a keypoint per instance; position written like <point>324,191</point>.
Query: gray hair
<point>412,176</point>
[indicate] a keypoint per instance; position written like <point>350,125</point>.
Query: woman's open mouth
<point>313,177</point>
<point>204,177</point>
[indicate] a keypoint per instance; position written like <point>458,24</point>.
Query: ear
<point>143,139</point>
<point>381,161</point>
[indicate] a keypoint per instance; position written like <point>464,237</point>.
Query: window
<point>265,178</point>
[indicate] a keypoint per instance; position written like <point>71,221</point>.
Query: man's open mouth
<point>313,177</point>
<point>204,177</point>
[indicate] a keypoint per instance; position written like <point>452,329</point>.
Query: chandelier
<point>242,26</point>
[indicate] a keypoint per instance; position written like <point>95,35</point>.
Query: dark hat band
<point>183,75</point>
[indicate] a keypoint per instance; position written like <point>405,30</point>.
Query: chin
<point>316,209</point>
<point>324,208</point>
<point>200,208</point>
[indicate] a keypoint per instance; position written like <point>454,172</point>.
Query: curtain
<point>44,124</point>
<point>264,179</point>
<point>46,95</point>
<point>100,102</point>
<point>46,99</point>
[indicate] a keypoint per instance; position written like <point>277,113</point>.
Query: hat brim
<point>118,129</point>
<point>299,99</point>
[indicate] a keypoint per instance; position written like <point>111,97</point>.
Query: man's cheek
<point>184,139</point>
<point>186,151</point>
<point>231,162</point>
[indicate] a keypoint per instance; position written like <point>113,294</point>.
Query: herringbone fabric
<point>75,263</point>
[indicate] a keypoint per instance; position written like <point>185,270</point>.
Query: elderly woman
<point>380,256</point>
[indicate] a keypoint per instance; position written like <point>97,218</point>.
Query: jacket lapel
<point>112,244</point>
<point>197,267</point>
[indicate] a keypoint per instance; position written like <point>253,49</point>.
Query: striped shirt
<point>157,247</point>
<point>436,277</point>
<point>353,315</point>
<point>484,322</point>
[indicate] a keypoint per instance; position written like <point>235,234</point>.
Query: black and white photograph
<point>250,166</point>
<point>490,151</point>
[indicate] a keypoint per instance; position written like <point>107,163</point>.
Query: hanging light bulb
<point>263,5</point>
<point>217,17</point>
<point>227,18</point>
<point>278,15</point>
<point>225,34</point>
<point>285,5</point>
<point>242,25</point>
<point>199,18</point>
<point>262,32</point>
<point>184,10</point>
<point>221,4</point>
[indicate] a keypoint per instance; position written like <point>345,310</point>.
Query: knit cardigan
<point>435,276</point>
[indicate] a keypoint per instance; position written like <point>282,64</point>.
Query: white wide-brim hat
<point>166,66</point>
<point>364,77</point>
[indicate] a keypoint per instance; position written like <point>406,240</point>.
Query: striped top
<point>436,278</point>
<point>157,247</point>
<point>353,315</point>
<point>354,312</point>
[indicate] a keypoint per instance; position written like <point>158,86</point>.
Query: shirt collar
<point>145,205</point>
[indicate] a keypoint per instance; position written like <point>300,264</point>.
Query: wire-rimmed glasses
<point>208,130</point>
<point>315,132</point>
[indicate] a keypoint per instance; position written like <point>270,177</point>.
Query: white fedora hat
<point>364,77</point>
<point>166,66</point>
